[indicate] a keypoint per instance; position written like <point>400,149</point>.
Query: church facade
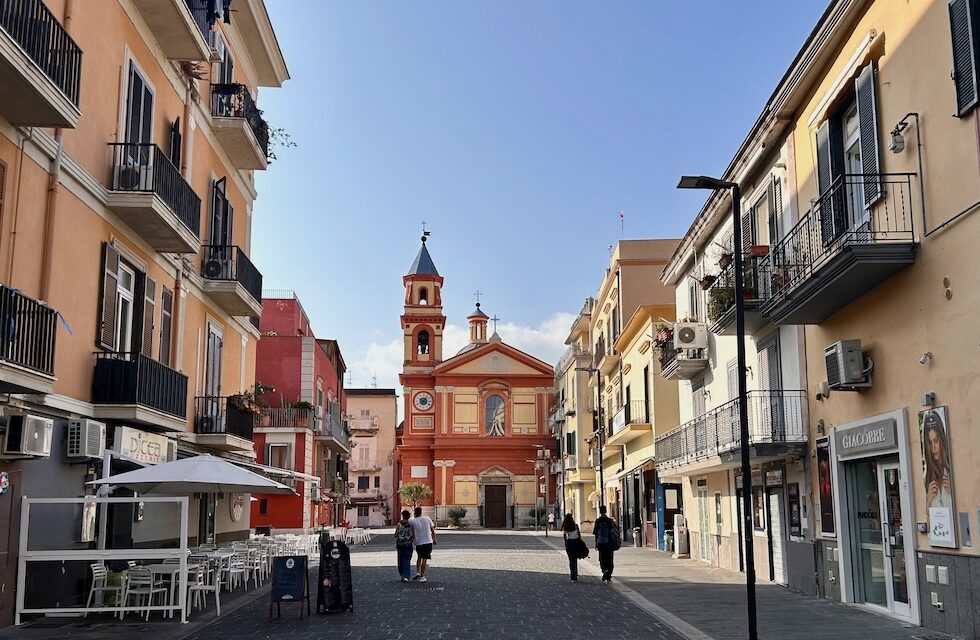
<point>475,428</point>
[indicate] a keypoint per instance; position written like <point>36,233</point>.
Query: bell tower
<point>422,320</point>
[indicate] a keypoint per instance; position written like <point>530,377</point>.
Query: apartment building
<point>302,429</point>
<point>873,270</point>
<point>129,138</point>
<point>631,280</point>
<point>371,416</point>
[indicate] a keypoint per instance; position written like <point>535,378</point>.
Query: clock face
<point>423,401</point>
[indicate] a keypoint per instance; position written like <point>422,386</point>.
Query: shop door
<point>777,534</point>
<point>9,544</point>
<point>876,508</point>
<point>704,520</point>
<point>495,516</point>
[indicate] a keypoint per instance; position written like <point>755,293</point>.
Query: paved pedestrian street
<point>499,585</point>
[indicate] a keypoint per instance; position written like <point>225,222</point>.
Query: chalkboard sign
<point>335,592</point>
<point>290,582</point>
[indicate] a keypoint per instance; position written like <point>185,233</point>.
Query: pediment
<point>495,360</point>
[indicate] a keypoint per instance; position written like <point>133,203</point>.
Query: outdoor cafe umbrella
<point>198,474</point>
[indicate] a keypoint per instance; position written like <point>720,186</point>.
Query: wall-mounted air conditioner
<point>690,335</point>
<point>314,492</point>
<point>171,450</point>
<point>132,177</point>
<point>86,439</point>
<point>28,435</point>
<point>846,369</point>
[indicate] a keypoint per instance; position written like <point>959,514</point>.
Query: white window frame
<point>124,320</point>
<point>289,457</point>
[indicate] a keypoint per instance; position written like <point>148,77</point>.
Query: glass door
<point>704,522</point>
<point>890,477</point>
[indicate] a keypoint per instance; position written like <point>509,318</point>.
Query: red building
<point>475,426</point>
<point>303,428</point>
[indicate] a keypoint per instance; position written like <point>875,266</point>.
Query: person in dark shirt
<point>606,542</point>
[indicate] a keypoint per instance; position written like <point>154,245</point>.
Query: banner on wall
<point>827,526</point>
<point>937,476</point>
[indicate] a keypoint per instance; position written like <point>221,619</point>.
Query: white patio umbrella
<point>198,474</point>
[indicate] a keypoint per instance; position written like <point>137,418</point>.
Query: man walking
<point>425,537</point>
<point>607,542</point>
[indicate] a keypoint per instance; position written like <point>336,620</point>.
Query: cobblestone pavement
<point>498,585</point>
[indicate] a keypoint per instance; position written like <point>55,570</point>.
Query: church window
<point>423,342</point>
<point>495,416</point>
<point>423,296</point>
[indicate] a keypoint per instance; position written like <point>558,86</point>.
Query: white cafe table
<point>170,570</point>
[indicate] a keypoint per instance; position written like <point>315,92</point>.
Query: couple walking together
<point>418,533</point>
<point>607,542</point>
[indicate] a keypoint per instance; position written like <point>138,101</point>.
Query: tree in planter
<point>456,514</point>
<point>415,492</point>
<point>720,300</point>
<point>303,409</point>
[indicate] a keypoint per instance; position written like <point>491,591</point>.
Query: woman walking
<point>404,543</point>
<point>573,542</point>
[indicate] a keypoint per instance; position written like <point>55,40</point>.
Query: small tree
<point>456,514</point>
<point>414,492</point>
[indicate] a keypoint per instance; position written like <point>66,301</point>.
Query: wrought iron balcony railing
<point>27,332</point>
<point>288,417</point>
<point>228,262</point>
<point>133,378</point>
<point>145,168</point>
<point>234,101</point>
<point>32,25</point>
<point>199,13</point>
<point>632,412</point>
<point>857,210</point>
<point>219,414</point>
<point>774,417</point>
<point>363,424</point>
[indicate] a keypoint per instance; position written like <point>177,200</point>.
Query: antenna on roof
<point>374,380</point>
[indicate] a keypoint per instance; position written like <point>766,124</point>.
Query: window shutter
<point>106,333</point>
<point>175,142</point>
<point>748,230</point>
<point>166,324</point>
<point>964,55</point>
<point>825,177</point>
<point>775,210</point>
<point>867,108</point>
<point>3,182</point>
<point>146,289</point>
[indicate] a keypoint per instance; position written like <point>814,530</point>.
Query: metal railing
<point>219,414</point>
<point>572,352</point>
<point>668,354</point>
<point>632,412</point>
<point>199,14</point>
<point>756,276</point>
<point>334,428</point>
<point>774,417</point>
<point>228,262</point>
<point>363,424</point>
<point>839,219</point>
<point>234,101</point>
<point>288,417</point>
<point>133,378</point>
<point>27,332</point>
<point>600,351</point>
<point>144,167</point>
<point>32,25</point>
<point>357,464</point>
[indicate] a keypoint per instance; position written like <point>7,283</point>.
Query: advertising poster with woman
<point>937,476</point>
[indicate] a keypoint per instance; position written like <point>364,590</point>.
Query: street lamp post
<point>714,184</point>
<point>600,430</point>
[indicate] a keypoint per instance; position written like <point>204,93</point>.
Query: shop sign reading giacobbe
<point>866,438</point>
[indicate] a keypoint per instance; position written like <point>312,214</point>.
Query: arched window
<point>423,342</point>
<point>423,296</point>
<point>495,416</point>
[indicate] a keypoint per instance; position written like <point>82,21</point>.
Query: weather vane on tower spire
<point>425,234</point>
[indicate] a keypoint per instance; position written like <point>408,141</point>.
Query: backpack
<point>615,540</point>
<point>608,533</point>
<point>602,533</point>
<point>403,537</point>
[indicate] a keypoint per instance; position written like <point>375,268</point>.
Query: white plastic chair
<point>205,581</point>
<point>100,584</point>
<point>140,583</point>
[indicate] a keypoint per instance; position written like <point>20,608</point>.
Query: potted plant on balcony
<point>759,250</point>
<point>725,259</point>
<point>663,341</point>
<point>303,409</point>
<point>707,280</point>
<point>720,300</point>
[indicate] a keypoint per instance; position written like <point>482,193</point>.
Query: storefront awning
<point>197,474</point>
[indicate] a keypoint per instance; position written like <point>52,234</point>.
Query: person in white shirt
<point>425,537</point>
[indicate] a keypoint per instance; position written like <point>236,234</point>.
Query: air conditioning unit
<point>216,268</point>
<point>171,450</point>
<point>28,435</point>
<point>86,439</point>
<point>845,366</point>
<point>132,177</point>
<point>314,492</point>
<point>690,335</point>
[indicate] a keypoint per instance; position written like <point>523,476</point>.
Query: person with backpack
<point>404,544</point>
<point>607,542</point>
<point>573,544</point>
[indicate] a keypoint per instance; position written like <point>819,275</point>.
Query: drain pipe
<point>16,215</point>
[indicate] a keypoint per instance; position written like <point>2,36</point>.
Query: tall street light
<point>714,184</point>
<point>600,429</point>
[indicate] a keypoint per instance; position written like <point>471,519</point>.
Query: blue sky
<point>517,130</point>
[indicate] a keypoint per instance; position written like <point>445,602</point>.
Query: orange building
<point>475,423</point>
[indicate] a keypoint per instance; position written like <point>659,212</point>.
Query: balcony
<point>180,27</point>
<point>27,338</point>
<point>755,288</point>
<point>629,423</point>
<point>678,364</point>
<point>288,417</point>
<point>363,424</point>
<point>842,249</point>
<point>148,193</point>
<point>607,361</point>
<point>231,280</point>
<point>570,462</point>
<point>132,388</point>
<point>239,126</point>
<point>40,67</point>
<point>333,432</point>
<point>571,354</point>
<point>365,465</point>
<point>372,493</point>
<point>777,428</point>
<point>220,424</point>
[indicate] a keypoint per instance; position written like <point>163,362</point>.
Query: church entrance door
<point>495,509</point>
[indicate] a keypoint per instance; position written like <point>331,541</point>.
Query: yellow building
<point>129,138</point>
<point>870,262</point>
